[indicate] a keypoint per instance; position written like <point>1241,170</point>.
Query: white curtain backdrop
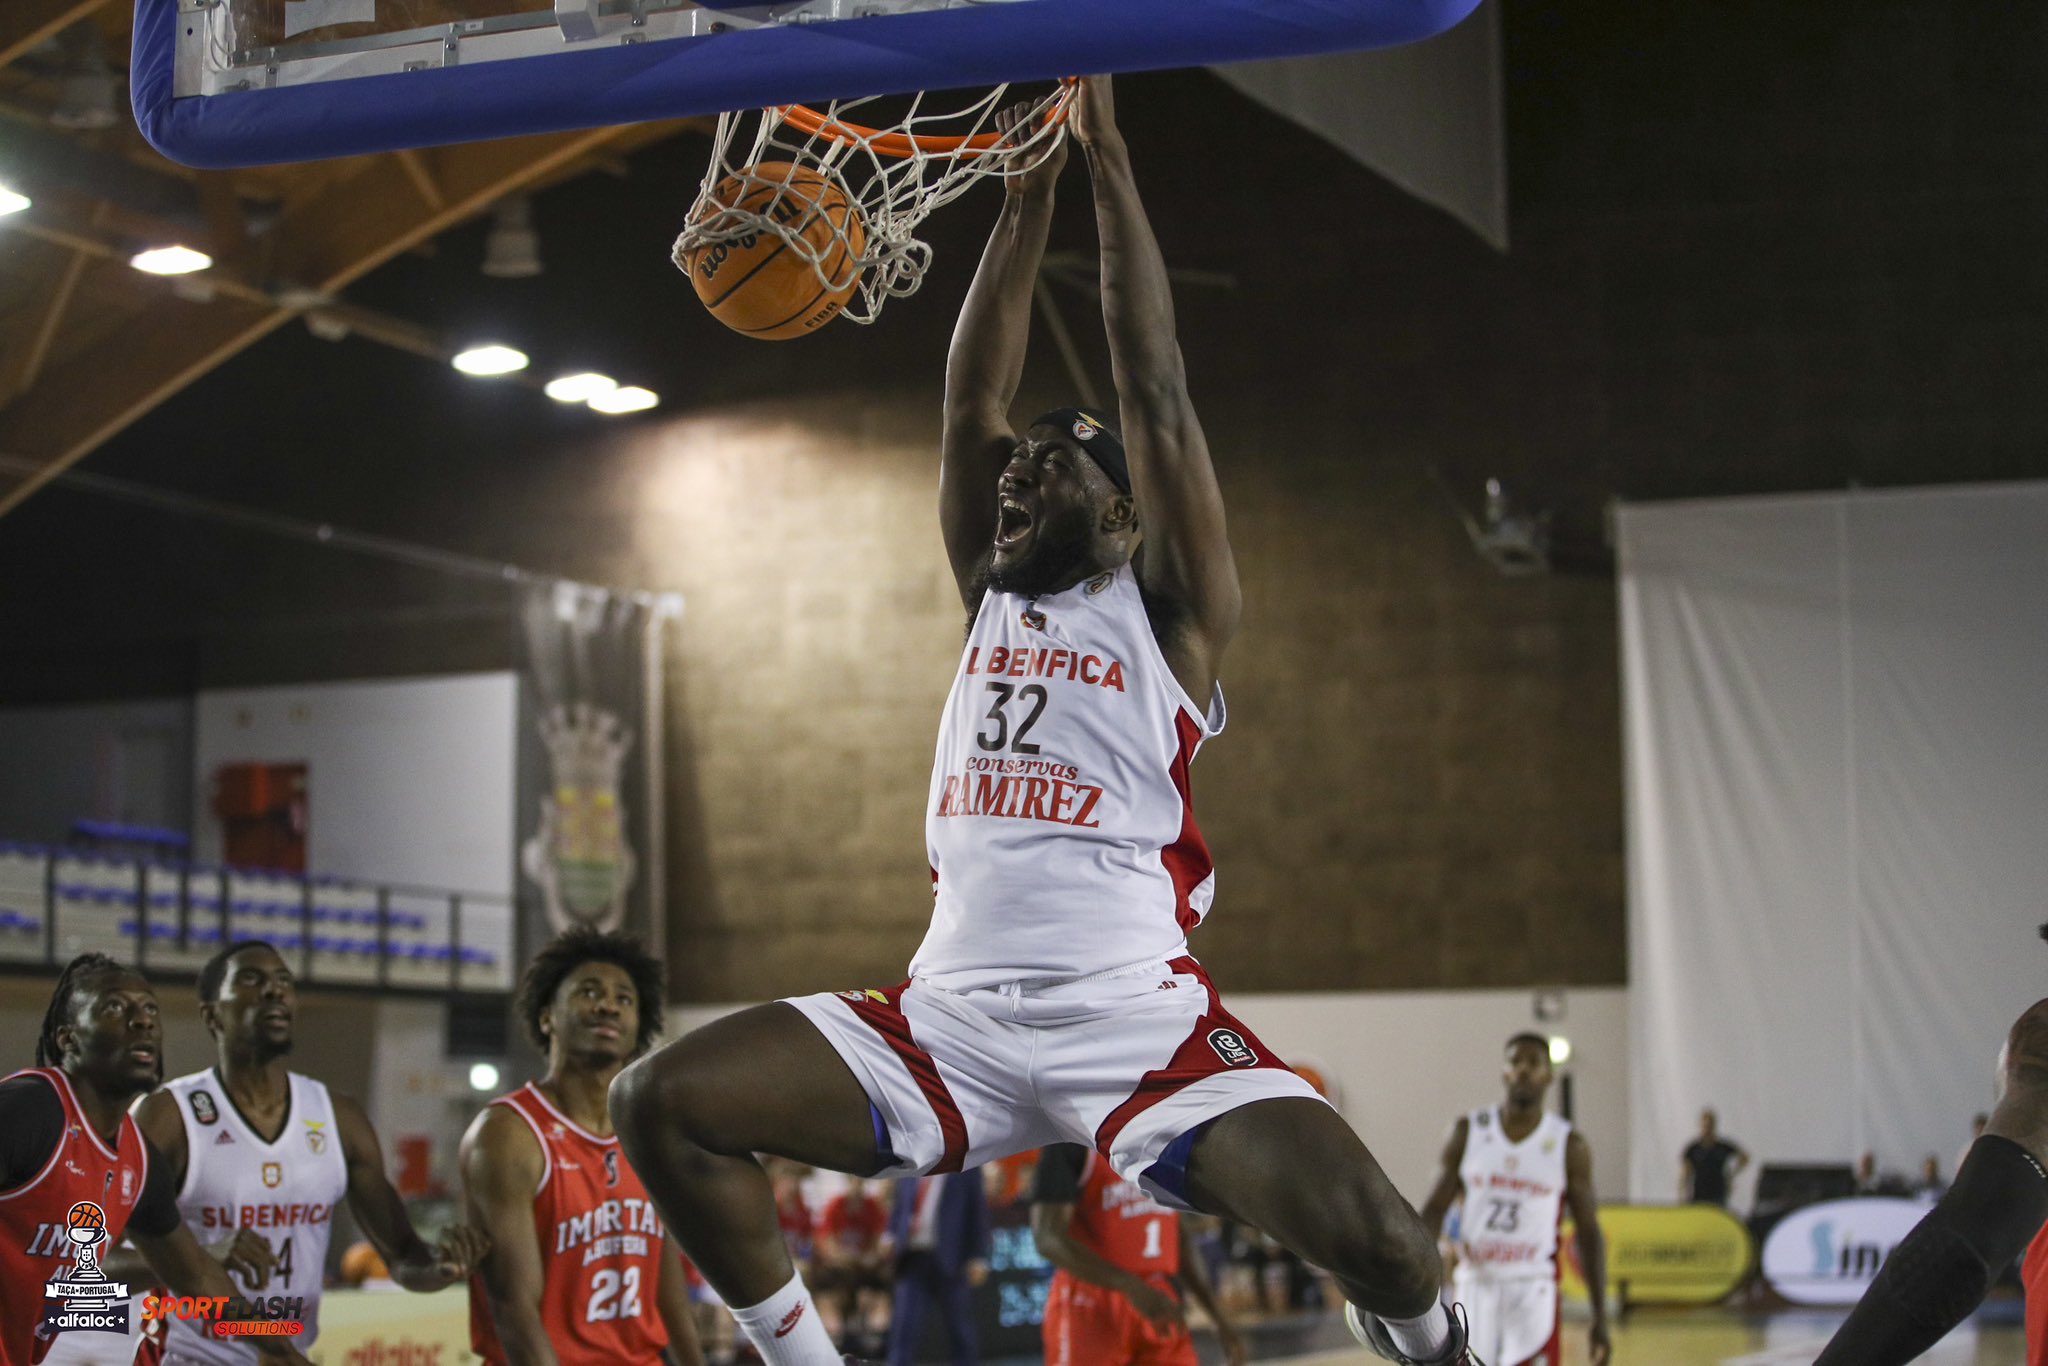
<point>1836,712</point>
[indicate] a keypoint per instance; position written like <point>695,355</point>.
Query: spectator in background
<point>1930,1187</point>
<point>850,1269</point>
<point>940,1230</point>
<point>786,1179</point>
<point>1710,1165</point>
<point>1868,1182</point>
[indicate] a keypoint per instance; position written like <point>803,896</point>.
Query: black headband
<point>1097,438</point>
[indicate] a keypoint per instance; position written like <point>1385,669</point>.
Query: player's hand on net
<point>247,1255</point>
<point>1032,170</point>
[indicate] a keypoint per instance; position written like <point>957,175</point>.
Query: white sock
<point>785,1329</point>
<point>1424,1339</point>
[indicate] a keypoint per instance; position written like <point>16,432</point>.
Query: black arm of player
<point>501,1170</point>
<point>985,365</point>
<point>1585,1208</point>
<point>1051,1229</point>
<point>1187,558</point>
<point>379,1211</point>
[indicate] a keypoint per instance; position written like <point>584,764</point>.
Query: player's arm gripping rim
<point>501,1171</point>
<point>245,1253</point>
<point>1185,562</point>
<point>672,1301</point>
<point>380,1212</point>
<point>1449,1185</point>
<point>1585,1208</point>
<point>184,1266</point>
<point>1195,1276</point>
<point>985,363</point>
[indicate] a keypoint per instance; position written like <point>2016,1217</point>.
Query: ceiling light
<point>490,360</point>
<point>170,260</point>
<point>1560,1050</point>
<point>483,1076</point>
<point>12,201</point>
<point>512,251</point>
<point>631,399</point>
<point>580,388</point>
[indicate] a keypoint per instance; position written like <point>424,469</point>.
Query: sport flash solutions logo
<point>83,1298</point>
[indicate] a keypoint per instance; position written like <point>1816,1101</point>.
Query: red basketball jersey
<point>35,1239</point>
<point>2034,1274</point>
<point>1124,1225</point>
<point>600,1248</point>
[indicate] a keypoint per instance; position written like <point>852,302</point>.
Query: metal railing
<point>168,918</point>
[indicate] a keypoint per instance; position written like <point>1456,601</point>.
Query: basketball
<point>756,285</point>
<point>362,1263</point>
<point>86,1215</point>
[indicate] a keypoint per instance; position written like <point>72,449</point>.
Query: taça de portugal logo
<point>83,1299</point>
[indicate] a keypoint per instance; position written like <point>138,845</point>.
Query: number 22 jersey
<point>1060,830</point>
<point>600,1249</point>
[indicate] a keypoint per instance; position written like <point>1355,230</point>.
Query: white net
<point>893,173</point>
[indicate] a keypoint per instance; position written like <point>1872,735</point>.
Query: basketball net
<point>893,175</point>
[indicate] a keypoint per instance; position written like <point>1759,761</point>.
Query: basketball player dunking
<point>263,1154</point>
<point>1120,1261</point>
<point>66,1136</point>
<point>1948,1263</point>
<point>1517,1166</point>
<point>580,1272</point>
<point>1053,999</point>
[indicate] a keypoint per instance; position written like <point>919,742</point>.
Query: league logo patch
<point>203,1108</point>
<point>1231,1047</point>
<point>611,1167</point>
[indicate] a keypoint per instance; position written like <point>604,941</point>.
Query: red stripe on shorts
<point>888,1020</point>
<point>1187,859</point>
<point>1195,1059</point>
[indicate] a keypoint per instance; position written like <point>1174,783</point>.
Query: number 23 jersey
<point>1059,828</point>
<point>600,1249</point>
<point>1514,1196</point>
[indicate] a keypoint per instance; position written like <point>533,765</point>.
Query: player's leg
<point>1293,1167</point>
<point>1999,1200</point>
<point>956,1303</point>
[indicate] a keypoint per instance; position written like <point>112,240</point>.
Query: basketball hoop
<point>893,175</point>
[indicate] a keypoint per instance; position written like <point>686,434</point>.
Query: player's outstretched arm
<point>1585,1208</point>
<point>986,363</point>
<point>1944,1268</point>
<point>672,1300</point>
<point>502,1165</point>
<point>380,1213</point>
<point>1187,557</point>
<point>1194,1274</point>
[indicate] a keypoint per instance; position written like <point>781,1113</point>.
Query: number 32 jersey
<point>600,1249</point>
<point>1060,831</point>
<point>1514,1197</point>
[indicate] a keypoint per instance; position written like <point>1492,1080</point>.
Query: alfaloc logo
<point>83,1299</point>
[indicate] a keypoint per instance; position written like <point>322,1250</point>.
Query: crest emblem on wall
<point>579,857</point>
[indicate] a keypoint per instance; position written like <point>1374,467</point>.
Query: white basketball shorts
<point>1513,1318</point>
<point>1131,1063</point>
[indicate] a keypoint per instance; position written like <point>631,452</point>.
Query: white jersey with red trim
<point>1514,1197</point>
<point>1059,828</point>
<point>284,1189</point>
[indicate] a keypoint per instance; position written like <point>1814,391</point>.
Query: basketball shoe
<point>1372,1334</point>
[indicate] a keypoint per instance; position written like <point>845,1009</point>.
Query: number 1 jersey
<point>600,1249</point>
<point>1060,831</point>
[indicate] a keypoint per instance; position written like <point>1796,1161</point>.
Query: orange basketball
<point>85,1214</point>
<point>361,1263</point>
<point>757,285</point>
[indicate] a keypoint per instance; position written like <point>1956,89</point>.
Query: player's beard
<point>1059,556</point>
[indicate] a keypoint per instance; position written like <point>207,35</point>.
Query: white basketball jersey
<point>1059,829</point>
<point>1514,1197</point>
<point>285,1190</point>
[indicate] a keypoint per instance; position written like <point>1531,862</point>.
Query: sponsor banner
<point>392,1328</point>
<point>1667,1254</point>
<point>1829,1253</point>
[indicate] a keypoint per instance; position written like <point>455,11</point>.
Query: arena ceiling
<point>88,345</point>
